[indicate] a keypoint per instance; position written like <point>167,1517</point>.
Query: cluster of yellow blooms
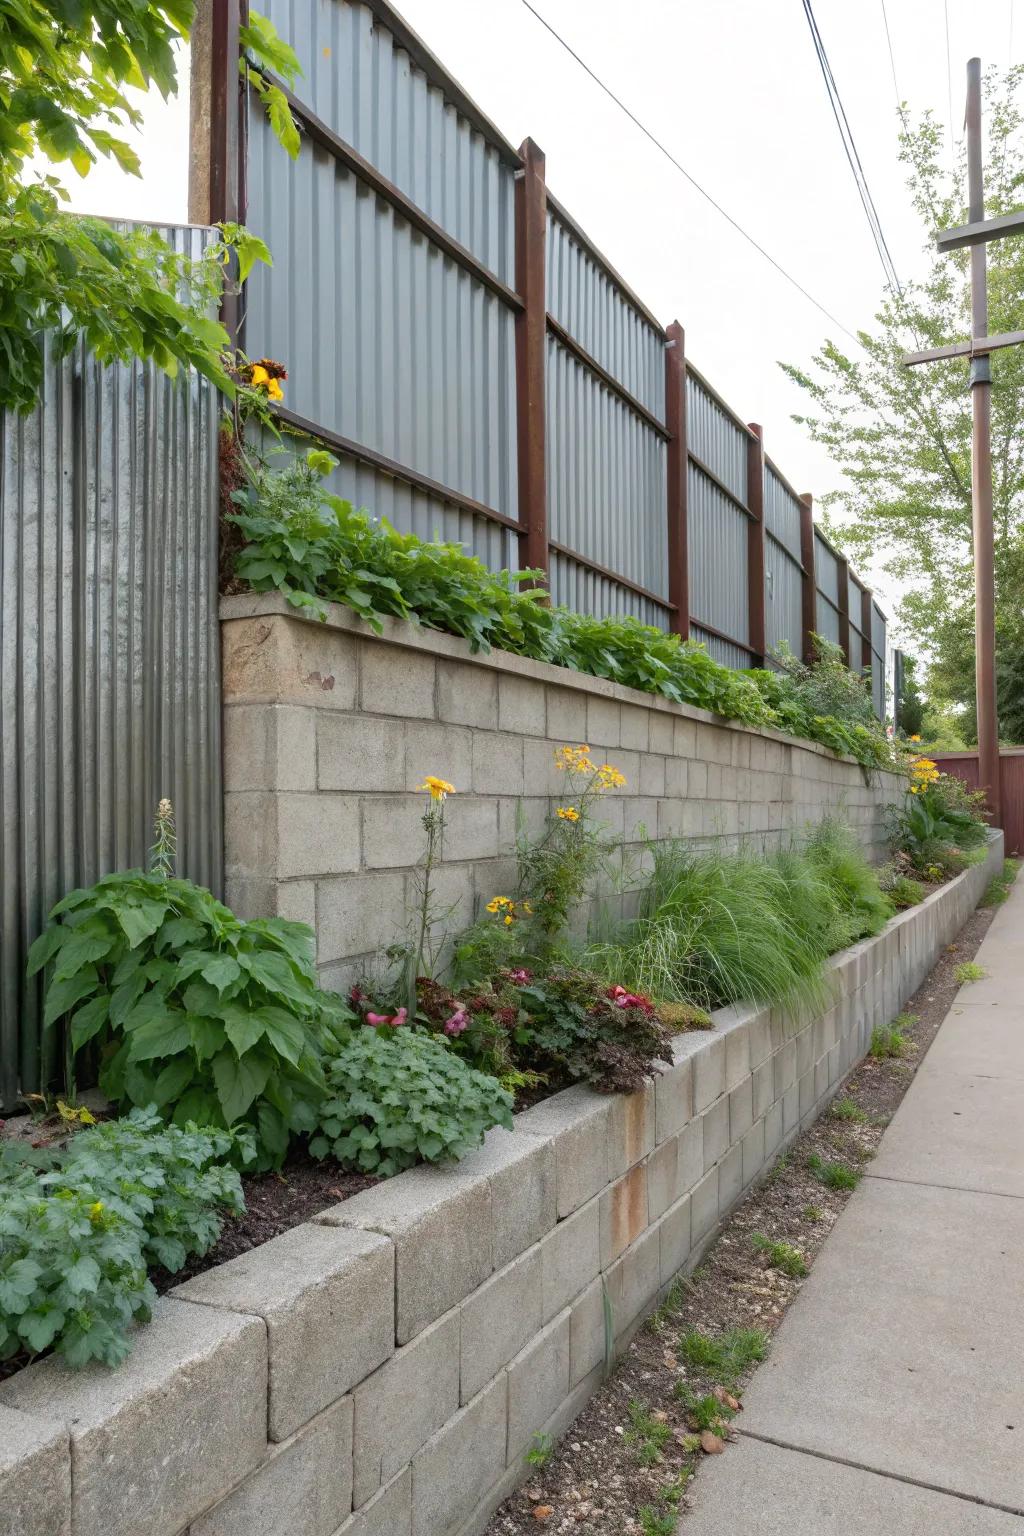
<point>509,910</point>
<point>922,773</point>
<point>578,760</point>
<point>439,789</point>
<point>568,813</point>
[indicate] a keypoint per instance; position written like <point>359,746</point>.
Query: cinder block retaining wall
<point>328,730</point>
<point>381,1370</point>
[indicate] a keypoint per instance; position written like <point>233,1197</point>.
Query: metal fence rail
<point>109,658</point>
<point>481,369</point>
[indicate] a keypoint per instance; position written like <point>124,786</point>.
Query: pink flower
<point>520,976</point>
<point>388,1018</point>
<point>457,1023</point>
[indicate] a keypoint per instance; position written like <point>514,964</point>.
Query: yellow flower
<point>915,738</point>
<point>500,904</point>
<point>96,1212</point>
<point>568,813</point>
<point>259,375</point>
<point>913,789</point>
<point>609,777</point>
<point>439,789</point>
<point>274,390</point>
<point>508,919</point>
<point>527,909</point>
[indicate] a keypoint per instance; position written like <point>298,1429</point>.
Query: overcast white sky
<point>734,90</point>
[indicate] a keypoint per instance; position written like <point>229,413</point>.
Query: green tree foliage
<point>903,436</point>
<point>66,67</point>
<point>910,705</point>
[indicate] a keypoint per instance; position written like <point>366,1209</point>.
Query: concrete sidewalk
<point>893,1397</point>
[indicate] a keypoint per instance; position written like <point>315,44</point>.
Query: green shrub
<point>78,1232</point>
<point>834,1175</point>
<point>725,1358</point>
<point>315,549</point>
<point>861,907</point>
<point>398,1096</point>
<point>212,1019</point>
<point>890,1041</point>
<point>941,826</point>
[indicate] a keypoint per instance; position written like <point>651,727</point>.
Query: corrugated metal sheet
<point>826,569</point>
<point>781,512</point>
<point>728,655</point>
<point>109,656</point>
<point>606,478</point>
<point>718,559</point>
<point>715,438</point>
<point>878,628</point>
<point>588,592</point>
<point>387,342</point>
<point>827,619</point>
<point>364,85</point>
<point>587,303</point>
<point>783,608</point>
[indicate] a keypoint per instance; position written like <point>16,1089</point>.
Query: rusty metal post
<point>531,356</point>
<point>809,587</point>
<point>675,422</point>
<point>757,634</point>
<point>981,471</point>
<point>216,128</point>
<point>843,590</point>
<point>866,597</point>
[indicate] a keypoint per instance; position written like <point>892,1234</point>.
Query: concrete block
<point>807,1098</point>
<point>674,1236</point>
<point>730,1179</point>
<point>634,728</point>
<point>773,1130</point>
<point>520,1172</point>
<point>307,1285</point>
<point>603,722</point>
<point>570,1258</point>
<point>662,729</point>
<point>538,1381</point>
<point>268,746</point>
<point>673,1099</point>
<point>760,1037</point>
<point>522,708</point>
<point>753,1152</point>
<point>280,660</point>
<point>676,778</point>
<point>498,1320</point>
<point>457,1466</point>
<point>393,834</point>
<point>634,1281</point>
<point>471,828</point>
<point>389,1512</point>
<point>764,1088</point>
<point>674,1168</point>
<point>624,1215</point>
<point>317,834</point>
<point>498,764</point>
<point>402,1404</point>
<point>684,737</point>
<point>586,1332</point>
<point>709,1073</point>
<point>304,1485</point>
<point>784,1063</point>
<point>167,1434</point>
<point>741,1110</point>
<point>631,1129</point>
<point>440,1224</point>
<point>704,1206</point>
<point>358,914</point>
<point>35,1476</point>
<point>467,694</point>
<point>578,1121</point>
<point>356,752</point>
<point>396,681</point>
<point>566,715</point>
<point>715,1132</point>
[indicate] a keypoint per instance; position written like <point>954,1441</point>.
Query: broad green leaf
<point>45,946</point>
<point>89,1020</point>
<point>207,1035</point>
<point>173,1081</point>
<point>243,1026</point>
<point>61,996</point>
<point>239,1080</point>
<point>85,943</point>
<point>221,971</point>
<point>163,1036</point>
<point>285,1033</point>
<point>82,1276</point>
<point>39,1329</point>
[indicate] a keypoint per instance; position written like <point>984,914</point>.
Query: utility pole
<point>976,234</point>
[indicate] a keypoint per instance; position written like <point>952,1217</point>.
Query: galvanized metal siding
<point>592,307</point>
<point>718,560</point>
<point>826,569</point>
<point>781,512</point>
<point>588,592</point>
<point>878,659</point>
<point>721,650</point>
<point>715,438</point>
<point>109,655</point>
<point>783,610</point>
<point>364,86</point>
<point>606,472</point>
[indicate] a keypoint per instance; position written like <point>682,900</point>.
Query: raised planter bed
<point>381,1369</point>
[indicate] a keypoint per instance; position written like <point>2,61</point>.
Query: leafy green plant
<point>969,971</point>
<point>833,1174</point>
<point>813,1212</point>
<point>79,1228</point>
<point>654,1524</point>
<point>891,1041</point>
<point>398,1096</point>
<point>861,908</point>
<point>725,1358</point>
<point>540,1450</point>
<point>704,1412</point>
<point>646,1434</point>
<point>782,1256</point>
<point>849,1109</point>
<point>998,890</point>
<point>209,1018</point>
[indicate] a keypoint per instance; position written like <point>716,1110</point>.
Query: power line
<point>852,154</point>
<point>892,65</point>
<point>684,172</point>
<point>949,82</point>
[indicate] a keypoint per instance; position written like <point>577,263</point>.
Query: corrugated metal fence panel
<point>783,608</point>
<point>826,569</point>
<point>878,659</point>
<point>856,632</point>
<point>591,306</point>
<point>715,438</point>
<point>109,655</point>
<point>589,592</point>
<point>718,559</point>
<point>781,512</point>
<point>827,619</point>
<point>361,82</point>
<point>606,471</point>
<point>729,655</point>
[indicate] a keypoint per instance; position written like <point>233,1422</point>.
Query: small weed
<point>646,1433</point>
<point>781,1255</point>
<point>781,1164</point>
<point>849,1109</point>
<point>889,1041</point>
<point>653,1524</point>
<point>671,1304</point>
<point>813,1213</point>
<point>539,1453</point>
<point>726,1358</point>
<point>833,1175</point>
<point>704,1412</point>
<point>969,971</point>
<point>999,889</point>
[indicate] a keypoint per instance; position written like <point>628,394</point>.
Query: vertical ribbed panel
<point>781,512</point>
<point>783,610</point>
<point>606,470</point>
<point>109,655</point>
<point>826,569</point>
<point>364,86</point>
<point>827,618</point>
<point>715,438</point>
<point>589,592</point>
<point>718,559</point>
<point>728,655</point>
<point>856,632</point>
<point>592,307</point>
<point>878,659</point>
